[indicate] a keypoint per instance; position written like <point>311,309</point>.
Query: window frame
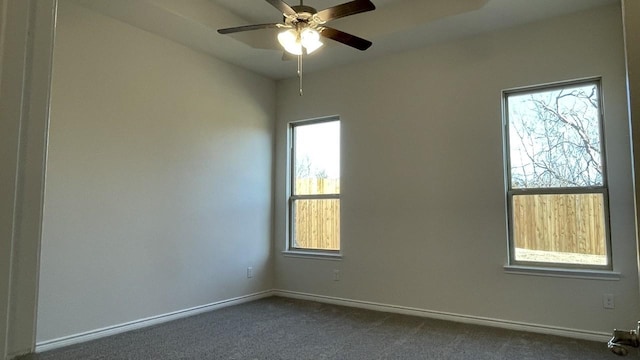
<point>511,192</point>
<point>291,181</point>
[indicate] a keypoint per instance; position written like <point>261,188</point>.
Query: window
<point>557,186</point>
<point>314,201</point>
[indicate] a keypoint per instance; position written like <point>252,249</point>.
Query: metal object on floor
<point>623,338</point>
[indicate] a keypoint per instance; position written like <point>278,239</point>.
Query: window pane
<point>562,228</point>
<point>317,224</point>
<point>317,158</point>
<point>554,138</point>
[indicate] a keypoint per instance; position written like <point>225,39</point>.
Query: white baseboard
<point>138,324</point>
<point>476,320</point>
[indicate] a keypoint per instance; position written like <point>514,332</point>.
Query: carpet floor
<point>281,328</point>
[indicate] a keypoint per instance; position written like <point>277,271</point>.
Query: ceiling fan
<point>303,26</point>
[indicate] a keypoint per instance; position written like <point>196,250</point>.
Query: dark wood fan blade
<point>346,9</point>
<point>248,28</point>
<point>282,6</point>
<point>347,39</point>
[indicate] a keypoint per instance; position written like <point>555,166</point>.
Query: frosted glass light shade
<point>310,39</point>
<point>290,41</point>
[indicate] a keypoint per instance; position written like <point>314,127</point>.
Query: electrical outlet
<point>336,275</point>
<point>607,301</point>
<point>249,272</point>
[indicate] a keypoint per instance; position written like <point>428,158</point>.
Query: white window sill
<point>565,273</point>
<point>312,255</point>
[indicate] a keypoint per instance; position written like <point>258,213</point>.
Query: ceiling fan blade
<point>346,9</point>
<point>248,28</point>
<point>345,38</point>
<point>282,6</point>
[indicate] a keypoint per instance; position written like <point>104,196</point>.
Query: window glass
<point>557,195</point>
<point>317,224</point>
<point>560,228</point>
<point>317,158</point>
<point>314,203</point>
<point>554,138</point>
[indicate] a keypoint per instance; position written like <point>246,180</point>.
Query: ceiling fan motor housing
<point>303,10</point>
<point>304,14</point>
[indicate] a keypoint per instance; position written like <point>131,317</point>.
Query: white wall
<point>423,208</point>
<point>158,193</point>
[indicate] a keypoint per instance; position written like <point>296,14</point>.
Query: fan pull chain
<point>300,73</point>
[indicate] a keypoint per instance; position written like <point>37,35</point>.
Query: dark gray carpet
<point>279,328</point>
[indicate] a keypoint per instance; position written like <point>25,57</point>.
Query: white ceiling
<point>396,25</point>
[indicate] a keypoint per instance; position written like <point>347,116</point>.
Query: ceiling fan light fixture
<point>310,39</point>
<point>293,40</point>
<point>290,41</point>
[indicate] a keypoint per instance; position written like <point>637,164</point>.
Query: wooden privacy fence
<point>317,221</point>
<point>572,223</point>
